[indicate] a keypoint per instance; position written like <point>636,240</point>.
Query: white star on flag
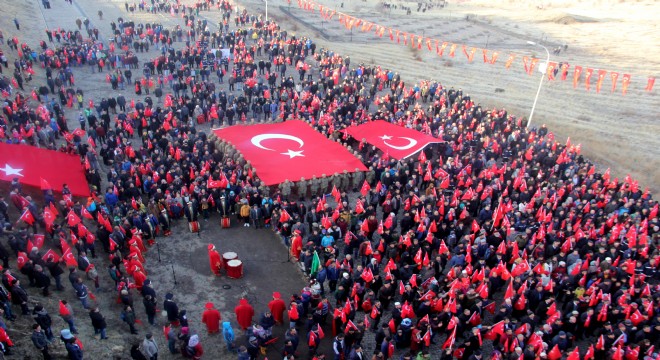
<point>386,137</point>
<point>11,171</point>
<point>293,154</point>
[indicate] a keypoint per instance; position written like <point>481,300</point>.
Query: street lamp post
<point>266,10</point>
<point>543,70</point>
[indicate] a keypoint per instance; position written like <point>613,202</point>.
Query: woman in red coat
<point>277,307</point>
<point>214,260</point>
<point>244,313</point>
<point>211,317</point>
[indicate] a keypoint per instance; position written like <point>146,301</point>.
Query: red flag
<point>45,185</point>
<point>625,81</point>
<point>69,259</point>
<point>72,219</point>
<point>38,241</point>
<point>284,216</point>
<point>509,291</point>
<point>574,355</point>
<point>399,142</point>
<point>451,339</point>
<point>365,188</point>
<point>590,353</point>
<point>50,254</point>
<point>555,353</point>
<point>576,75</point>
<point>413,281</point>
<point>30,164</point>
<point>214,184</point>
<point>649,84</point>
<point>27,217</point>
<point>427,337</point>
<point>21,259</point>
<point>86,213</point>
<point>289,150</point>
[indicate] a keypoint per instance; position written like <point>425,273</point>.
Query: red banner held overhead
<point>30,164</point>
<point>289,150</point>
<point>397,141</point>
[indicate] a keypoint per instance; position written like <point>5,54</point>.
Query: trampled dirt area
<point>616,131</point>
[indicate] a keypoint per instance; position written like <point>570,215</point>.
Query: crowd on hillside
<point>499,243</point>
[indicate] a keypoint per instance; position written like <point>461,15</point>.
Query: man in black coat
<point>98,322</point>
<point>19,296</point>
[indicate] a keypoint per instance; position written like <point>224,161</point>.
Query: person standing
<point>150,308</point>
<point>244,313</point>
<point>74,350</point>
<point>44,320</point>
<point>19,296</point>
<point>211,317</point>
<point>277,307</point>
<point>172,309</point>
<point>150,347</point>
<point>128,316</point>
<point>40,341</point>
<point>98,322</point>
<point>82,293</point>
<point>18,25</point>
<point>66,313</point>
<point>214,260</point>
<point>228,334</point>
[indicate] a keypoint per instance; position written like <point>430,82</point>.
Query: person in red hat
<point>214,260</point>
<point>244,313</point>
<point>211,318</point>
<point>277,307</point>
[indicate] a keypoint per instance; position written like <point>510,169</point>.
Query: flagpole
<point>538,91</point>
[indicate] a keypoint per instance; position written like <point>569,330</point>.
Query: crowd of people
<point>498,243</point>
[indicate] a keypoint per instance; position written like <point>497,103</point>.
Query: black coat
<point>172,310</point>
<point>98,321</point>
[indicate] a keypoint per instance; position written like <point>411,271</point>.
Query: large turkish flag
<point>289,150</point>
<point>30,164</point>
<point>397,141</point>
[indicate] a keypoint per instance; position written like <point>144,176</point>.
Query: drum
<point>225,223</point>
<point>194,226</point>
<point>235,269</point>
<point>228,256</point>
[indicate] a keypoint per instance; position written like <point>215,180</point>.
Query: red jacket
<point>244,314</point>
<point>277,308</point>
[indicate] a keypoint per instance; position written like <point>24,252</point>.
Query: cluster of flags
<point>587,74</point>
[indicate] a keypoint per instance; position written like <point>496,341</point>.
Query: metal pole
<point>266,10</point>
<point>538,91</point>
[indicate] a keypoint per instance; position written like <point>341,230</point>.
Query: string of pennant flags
<point>593,77</point>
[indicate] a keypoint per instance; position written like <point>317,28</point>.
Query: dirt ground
<point>616,131</point>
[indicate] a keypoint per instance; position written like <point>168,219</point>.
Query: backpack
<point>245,210</point>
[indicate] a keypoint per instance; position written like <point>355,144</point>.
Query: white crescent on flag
<point>411,142</point>
<point>257,139</point>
